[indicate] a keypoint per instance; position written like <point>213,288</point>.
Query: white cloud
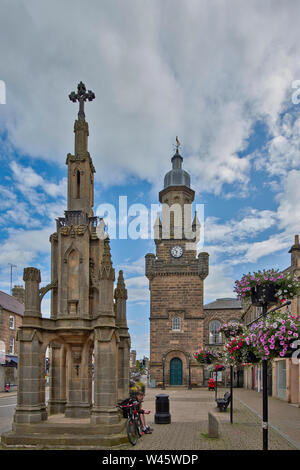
<point>26,179</point>
<point>250,225</point>
<point>138,289</point>
<point>23,246</point>
<point>200,71</point>
<point>133,267</point>
<point>219,283</point>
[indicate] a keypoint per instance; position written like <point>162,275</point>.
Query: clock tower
<point>176,275</point>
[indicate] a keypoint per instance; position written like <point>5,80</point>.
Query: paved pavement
<point>189,424</point>
<point>8,402</point>
<point>283,416</point>
<point>189,421</point>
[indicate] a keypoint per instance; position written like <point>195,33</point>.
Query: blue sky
<point>224,83</point>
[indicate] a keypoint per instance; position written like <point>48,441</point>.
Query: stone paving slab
<point>189,425</point>
<point>282,415</point>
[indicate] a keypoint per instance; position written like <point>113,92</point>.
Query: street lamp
<point>163,366</point>
<point>265,426</point>
<point>189,382</point>
<point>231,394</point>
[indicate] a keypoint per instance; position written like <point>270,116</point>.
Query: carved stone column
<point>57,397</point>
<point>29,408</point>
<point>120,296</point>
<point>75,408</point>
<point>104,410</point>
<point>32,278</point>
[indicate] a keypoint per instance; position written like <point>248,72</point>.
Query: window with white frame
<point>176,324</point>
<point>11,322</point>
<point>215,337</point>
<point>12,345</point>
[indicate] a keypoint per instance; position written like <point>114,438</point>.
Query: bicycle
<point>129,408</point>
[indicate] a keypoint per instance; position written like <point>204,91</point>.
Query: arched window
<point>215,337</point>
<point>176,324</point>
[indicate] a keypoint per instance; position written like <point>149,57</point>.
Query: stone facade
<point>11,314</point>
<point>133,360</point>
<point>87,331</point>
<point>216,314</point>
<point>283,374</point>
<point>176,275</point>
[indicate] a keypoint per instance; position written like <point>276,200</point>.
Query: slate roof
<point>223,304</point>
<point>8,302</point>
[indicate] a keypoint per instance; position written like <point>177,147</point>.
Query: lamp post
<point>216,387</point>
<point>265,393</point>
<point>231,394</point>
<point>163,366</point>
<point>189,381</point>
<point>264,306</point>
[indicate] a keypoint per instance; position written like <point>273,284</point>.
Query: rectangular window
<point>12,322</point>
<point>12,345</point>
<point>176,324</point>
<point>1,315</point>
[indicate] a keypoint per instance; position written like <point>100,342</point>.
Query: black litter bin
<point>162,409</point>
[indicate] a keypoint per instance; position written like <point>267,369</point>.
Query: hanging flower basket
<point>219,367</point>
<point>205,356</point>
<point>268,287</point>
<point>231,329</point>
<point>264,294</point>
<point>240,350</point>
<point>274,336</point>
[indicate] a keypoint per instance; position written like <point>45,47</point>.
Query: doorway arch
<point>176,371</point>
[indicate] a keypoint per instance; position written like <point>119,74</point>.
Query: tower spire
<point>120,290</point>
<point>80,166</point>
<point>106,268</point>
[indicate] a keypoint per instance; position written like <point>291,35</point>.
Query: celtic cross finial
<point>81,96</point>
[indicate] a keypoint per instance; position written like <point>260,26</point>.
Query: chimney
<point>19,293</point>
<point>295,252</point>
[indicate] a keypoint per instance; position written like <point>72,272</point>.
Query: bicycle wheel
<point>132,431</point>
<point>138,425</point>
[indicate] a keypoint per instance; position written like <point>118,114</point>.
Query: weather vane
<point>177,145</point>
<point>81,96</point>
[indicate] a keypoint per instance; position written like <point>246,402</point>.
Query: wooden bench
<point>222,403</point>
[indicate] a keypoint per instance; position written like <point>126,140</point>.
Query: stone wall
<point>6,333</point>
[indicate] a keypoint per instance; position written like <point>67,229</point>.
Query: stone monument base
<point>65,433</point>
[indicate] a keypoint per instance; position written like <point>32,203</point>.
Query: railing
<point>77,218</point>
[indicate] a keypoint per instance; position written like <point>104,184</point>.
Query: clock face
<point>176,251</point>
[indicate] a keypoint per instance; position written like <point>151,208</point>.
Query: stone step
<point>51,428</point>
<point>64,440</point>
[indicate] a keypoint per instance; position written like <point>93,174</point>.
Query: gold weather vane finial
<point>177,144</point>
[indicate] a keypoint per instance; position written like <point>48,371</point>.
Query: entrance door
<point>281,379</point>
<point>176,371</point>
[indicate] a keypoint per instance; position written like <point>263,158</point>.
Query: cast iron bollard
<point>162,413</point>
